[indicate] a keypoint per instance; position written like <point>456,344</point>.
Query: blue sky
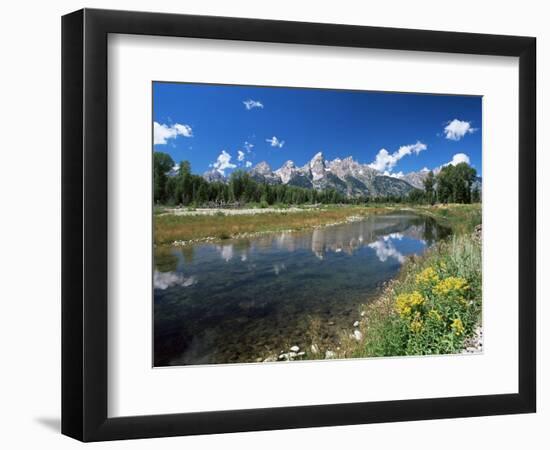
<point>230,127</point>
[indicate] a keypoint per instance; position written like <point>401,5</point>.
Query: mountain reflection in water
<point>241,300</point>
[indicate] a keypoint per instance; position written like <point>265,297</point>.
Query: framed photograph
<point>273,224</point>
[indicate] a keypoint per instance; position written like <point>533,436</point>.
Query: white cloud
<point>457,129</point>
<point>248,164</point>
<point>248,146</point>
<point>386,161</point>
<point>183,130</point>
<point>240,156</point>
<point>163,132</point>
<point>223,162</point>
<point>251,104</point>
<point>275,142</point>
<point>459,158</point>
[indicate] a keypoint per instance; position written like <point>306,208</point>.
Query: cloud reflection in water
<point>385,248</point>
<point>164,280</point>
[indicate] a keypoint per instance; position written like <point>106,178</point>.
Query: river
<point>249,299</point>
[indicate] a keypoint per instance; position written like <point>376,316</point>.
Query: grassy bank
<point>433,307</point>
<point>170,228</point>
<point>460,218</point>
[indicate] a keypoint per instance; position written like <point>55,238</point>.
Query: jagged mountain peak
<point>318,157</point>
<point>289,163</point>
<point>262,168</point>
<point>317,166</point>
<point>286,172</point>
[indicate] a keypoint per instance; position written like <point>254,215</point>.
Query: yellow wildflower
<point>402,305</point>
<point>435,315</point>
<point>405,303</point>
<point>416,324</point>
<point>427,277</point>
<point>458,327</point>
<point>450,284</point>
<point>416,298</point>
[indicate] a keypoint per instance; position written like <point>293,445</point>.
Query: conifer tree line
<point>453,184</point>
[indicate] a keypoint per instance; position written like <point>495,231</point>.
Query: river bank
<point>184,226</point>
<point>218,225</point>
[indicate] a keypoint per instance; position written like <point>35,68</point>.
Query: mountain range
<point>345,175</point>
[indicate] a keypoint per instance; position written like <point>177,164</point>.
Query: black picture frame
<point>84,224</point>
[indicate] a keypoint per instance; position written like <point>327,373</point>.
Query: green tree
<point>445,185</point>
<point>429,185</point>
<point>454,183</point>
<point>417,196</point>
<point>202,194</point>
<point>476,195</point>
<point>162,164</point>
<point>170,190</point>
<point>465,175</point>
<point>183,193</point>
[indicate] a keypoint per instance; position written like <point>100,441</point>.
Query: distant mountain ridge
<point>344,175</point>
